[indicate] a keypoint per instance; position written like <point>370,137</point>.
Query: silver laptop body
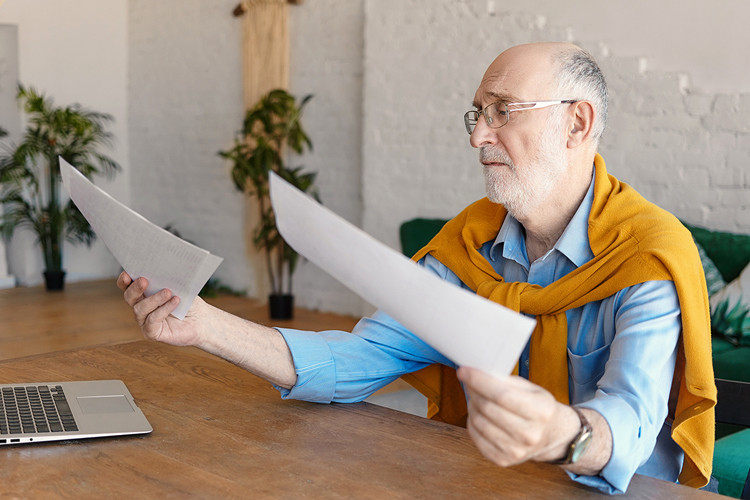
<point>56,411</point>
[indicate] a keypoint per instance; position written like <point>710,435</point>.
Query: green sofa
<point>730,253</point>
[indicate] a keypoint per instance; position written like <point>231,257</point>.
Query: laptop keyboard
<point>35,409</point>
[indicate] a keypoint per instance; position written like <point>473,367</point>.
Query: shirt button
<point>526,363</point>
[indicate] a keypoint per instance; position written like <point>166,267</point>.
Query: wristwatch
<point>579,443</point>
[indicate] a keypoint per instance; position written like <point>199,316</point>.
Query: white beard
<point>522,190</point>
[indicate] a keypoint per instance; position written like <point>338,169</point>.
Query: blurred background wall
<point>391,80</point>
<point>75,52</point>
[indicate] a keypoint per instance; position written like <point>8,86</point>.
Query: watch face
<point>581,446</point>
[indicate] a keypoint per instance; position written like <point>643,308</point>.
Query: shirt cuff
<point>313,363</point>
<point>626,435</point>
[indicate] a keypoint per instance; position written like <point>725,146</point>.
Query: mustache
<point>491,154</point>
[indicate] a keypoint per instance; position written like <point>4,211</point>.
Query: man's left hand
<point>512,420</point>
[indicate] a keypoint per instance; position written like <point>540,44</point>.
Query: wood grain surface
<point>34,321</point>
<point>220,432</point>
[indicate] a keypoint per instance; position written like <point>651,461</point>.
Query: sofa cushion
<point>730,310</point>
<point>730,252</point>
<point>417,233</point>
<point>731,462</point>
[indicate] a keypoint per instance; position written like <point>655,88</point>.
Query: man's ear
<point>581,128</point>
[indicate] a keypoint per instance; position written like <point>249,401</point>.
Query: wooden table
<point>220,432</point>
<point>34,321</point>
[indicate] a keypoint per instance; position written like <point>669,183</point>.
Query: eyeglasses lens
<point>470,120</point>
<point>496,115</point>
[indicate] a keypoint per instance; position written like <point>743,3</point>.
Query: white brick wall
<point>392,79</point>
<point>185,104</point>
<point>684,149</point>
<point>326,61</point>
<point>423,63</point>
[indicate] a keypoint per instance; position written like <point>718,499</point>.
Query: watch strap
<point>579,443</point>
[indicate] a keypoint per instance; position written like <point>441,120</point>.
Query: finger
<point>504,425</point>
<point>161,313</point>
<point>513,393</point>
<point>134,293</point>
<point>493,430</point>
<point>492,453</point>
<point>124,281</point>
<point>507,428</point>
<point>514,439</point>
<point>502,452</point>
<point>468,373</point>
<point>483,384</point>
<point>143,308</point>
<point>491,415</point>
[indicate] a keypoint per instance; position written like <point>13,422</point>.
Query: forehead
<point>516,76</point>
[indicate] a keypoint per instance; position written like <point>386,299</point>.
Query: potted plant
<point>270,127</point>
<point>30,175</point>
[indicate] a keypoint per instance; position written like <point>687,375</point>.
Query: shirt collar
<point>573,244</point>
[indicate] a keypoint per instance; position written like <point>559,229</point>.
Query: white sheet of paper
<point>141,247</point>
<point>467,329</point>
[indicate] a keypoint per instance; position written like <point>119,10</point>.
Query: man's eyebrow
<point>497,96</point>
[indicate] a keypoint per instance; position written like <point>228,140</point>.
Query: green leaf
<point>731,324</point>
<point>269,127</point>
<point>73,132</point>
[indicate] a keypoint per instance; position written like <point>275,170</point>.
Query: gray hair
<point>580,78</point>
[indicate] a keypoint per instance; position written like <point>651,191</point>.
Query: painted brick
<point>736,197</point>
<point>724,176</point>
<point>696,176</point>
<point>695,214</point>
<point>392,79</point>
<point>743,219</point>
<point>723,219</point>
<point>678,122</point>
<point>185,105</point>
<point>664,137</point>
<point>698,104</point>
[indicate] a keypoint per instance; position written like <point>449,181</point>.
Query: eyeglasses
<point>497,114</point>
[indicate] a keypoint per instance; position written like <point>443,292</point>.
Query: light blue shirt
<point>621,353</point>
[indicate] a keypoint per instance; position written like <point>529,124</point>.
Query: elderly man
<point>617,376</point>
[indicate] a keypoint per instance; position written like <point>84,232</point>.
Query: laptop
<point>56,411</point>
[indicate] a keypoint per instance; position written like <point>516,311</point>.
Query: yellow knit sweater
<point>633,241</point>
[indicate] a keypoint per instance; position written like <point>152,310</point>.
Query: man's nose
<point>482,135</point>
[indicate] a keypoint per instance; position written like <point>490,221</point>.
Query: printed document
<point>141,247</point>
<point>467,329</point>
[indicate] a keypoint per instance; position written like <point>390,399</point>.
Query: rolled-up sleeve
<point>343,367</point>
<point>348,367</point>
<point>314,365</point>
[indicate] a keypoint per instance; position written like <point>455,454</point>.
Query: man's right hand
<point>153,314</point>
<point>256,348</point>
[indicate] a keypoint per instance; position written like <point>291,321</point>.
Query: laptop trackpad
<point>104,404</point>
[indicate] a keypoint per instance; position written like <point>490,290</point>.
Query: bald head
<point>521,73</point>
<point>540,57</point>
<point>547,71</point>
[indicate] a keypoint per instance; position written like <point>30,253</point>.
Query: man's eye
<point>498,109</point>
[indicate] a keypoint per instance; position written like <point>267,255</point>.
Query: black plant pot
<point>55,280</point>
<point>281,306</point>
